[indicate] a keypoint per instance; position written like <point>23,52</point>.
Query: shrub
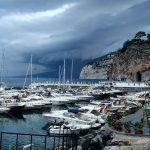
<point>126,143</point>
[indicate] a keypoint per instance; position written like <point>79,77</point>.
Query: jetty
<point>126,86</point>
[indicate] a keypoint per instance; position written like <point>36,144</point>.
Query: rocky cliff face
<point>131,62</point>
<point>98,68</point>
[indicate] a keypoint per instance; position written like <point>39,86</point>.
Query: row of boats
<point>75,120</point>
<point>80,120</point>
<point>17,100</point>
<point>41,98</point>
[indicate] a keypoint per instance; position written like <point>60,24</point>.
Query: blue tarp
<point>74,110</point>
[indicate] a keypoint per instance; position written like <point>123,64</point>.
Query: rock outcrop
<point>98,68</point>
<point>131,62</point>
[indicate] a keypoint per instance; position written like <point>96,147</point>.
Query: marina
<point>65,110</point>
<point>74,75</point>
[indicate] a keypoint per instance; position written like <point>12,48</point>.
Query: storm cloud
<point>53,30</point>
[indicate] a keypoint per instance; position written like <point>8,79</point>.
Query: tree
<point>148,37</point>
<point>138,127</point>
<point>140,34</point>
<point>127,126</point>
<point>148,125</point>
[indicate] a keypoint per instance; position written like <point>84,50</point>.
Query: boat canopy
<point>74,110</point>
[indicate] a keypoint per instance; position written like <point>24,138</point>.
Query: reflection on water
<point>30,123</point>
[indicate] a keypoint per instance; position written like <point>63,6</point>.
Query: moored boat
<point>63,130</point>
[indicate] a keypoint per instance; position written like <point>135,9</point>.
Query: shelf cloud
<point>69,29</point>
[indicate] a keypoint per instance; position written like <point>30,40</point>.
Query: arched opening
<point>138,77</point>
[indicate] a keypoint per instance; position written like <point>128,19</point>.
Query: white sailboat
<point>3,73</point>
<point>63,129</point>
<point>29,68</point>
<point>71,71</point>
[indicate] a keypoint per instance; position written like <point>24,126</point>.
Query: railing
<point>91,83</point>
<point>23,141</point>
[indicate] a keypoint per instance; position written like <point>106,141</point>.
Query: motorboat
<point>83,97</point>
<point>53,129</point>
<point>35,102</point>
<point>59,101</point>
<point>92,112</point>
<point>4,110</point>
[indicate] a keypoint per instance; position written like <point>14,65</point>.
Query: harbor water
<point>29,123</point>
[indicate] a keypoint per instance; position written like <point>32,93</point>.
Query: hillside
<point>131,62</point>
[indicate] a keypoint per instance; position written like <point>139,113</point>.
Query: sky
<point>54,30</point>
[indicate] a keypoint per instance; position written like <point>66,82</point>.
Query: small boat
<point>84,128</point>
<point>4,110</point>
<point>83,97</point>
<point>58,101</point>
<point>63,130</point>
<point>92,112</point>
<point>96,126</point>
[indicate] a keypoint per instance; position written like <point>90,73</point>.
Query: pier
<point>126,86</point>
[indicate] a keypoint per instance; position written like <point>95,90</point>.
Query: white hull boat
<point>63,130</point>
<point>59,101</point>
<point>4,110</point>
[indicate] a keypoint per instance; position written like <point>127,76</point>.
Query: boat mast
<point>2,67</point>
<point>71,70</point>
<point>31,68</point>
<point>28,70</point>
<point>59,73</point>
<point>64,71</point>
<point>26,76</point>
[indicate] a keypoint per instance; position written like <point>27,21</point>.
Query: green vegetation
<point>132,111</point>
<point>148,37</point>
<point>148,125</point>
<point>140,34</point>
<point>111,120</point>
<point>127,126</point>
<point>126,143</point>
<point>114,121</point>
<point>137,41</point>
<point>138,127</point>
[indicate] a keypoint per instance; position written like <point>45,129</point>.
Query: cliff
<point>131,62</point>
<point>98,68</point>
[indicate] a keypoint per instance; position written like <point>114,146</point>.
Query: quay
<point>126,86</point>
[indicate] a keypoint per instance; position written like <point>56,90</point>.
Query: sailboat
<point>64,72</point>
<point>71,71</point>
<point>29,68</point>
<point>3,73</point>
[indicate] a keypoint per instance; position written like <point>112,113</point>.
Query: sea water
<point>31,123</point>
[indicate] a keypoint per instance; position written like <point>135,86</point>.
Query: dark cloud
<point>53,30</point>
